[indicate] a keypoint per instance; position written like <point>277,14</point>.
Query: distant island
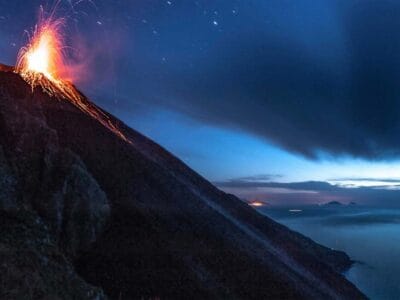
<point>337,203</point>
<point>333,203</point>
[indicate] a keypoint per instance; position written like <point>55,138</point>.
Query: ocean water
<point>370,236</point>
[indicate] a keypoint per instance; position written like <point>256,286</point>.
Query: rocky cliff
<point>88,215</point>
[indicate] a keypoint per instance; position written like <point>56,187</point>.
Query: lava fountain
<point>44,53</point>
<point>43,63</point>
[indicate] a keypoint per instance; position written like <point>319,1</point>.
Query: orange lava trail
<point>42,63</point>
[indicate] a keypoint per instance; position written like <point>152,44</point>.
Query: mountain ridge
<point>132,219</point>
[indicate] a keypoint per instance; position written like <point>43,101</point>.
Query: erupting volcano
<point>89,210</point>
<point>44,63</point>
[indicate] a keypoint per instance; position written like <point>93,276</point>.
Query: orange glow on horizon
<point>256,203</point>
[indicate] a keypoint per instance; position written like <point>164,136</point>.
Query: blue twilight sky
<point>254,95</point>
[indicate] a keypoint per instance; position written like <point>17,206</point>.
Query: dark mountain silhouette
<point>87,215</point>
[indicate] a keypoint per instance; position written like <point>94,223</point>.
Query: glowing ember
<point>43,63</point>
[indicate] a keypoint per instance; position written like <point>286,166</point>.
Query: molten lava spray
<point>44,53</point>
<point>43,63</point>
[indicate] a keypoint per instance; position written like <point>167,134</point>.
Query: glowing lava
<point>43,63</point>
<point>44,54</point>
<point>40,57</point>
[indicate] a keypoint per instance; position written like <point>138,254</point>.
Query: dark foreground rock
<point>86,215</point>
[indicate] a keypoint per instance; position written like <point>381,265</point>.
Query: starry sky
<point>287,101</point>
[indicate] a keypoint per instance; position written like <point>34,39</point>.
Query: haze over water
<point>370,236</point>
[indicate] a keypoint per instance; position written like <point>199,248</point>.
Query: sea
<point>369,235</point>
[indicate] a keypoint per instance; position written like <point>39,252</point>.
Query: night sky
<point>286,101</point>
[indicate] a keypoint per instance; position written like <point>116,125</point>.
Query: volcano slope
<point>88,215</point>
